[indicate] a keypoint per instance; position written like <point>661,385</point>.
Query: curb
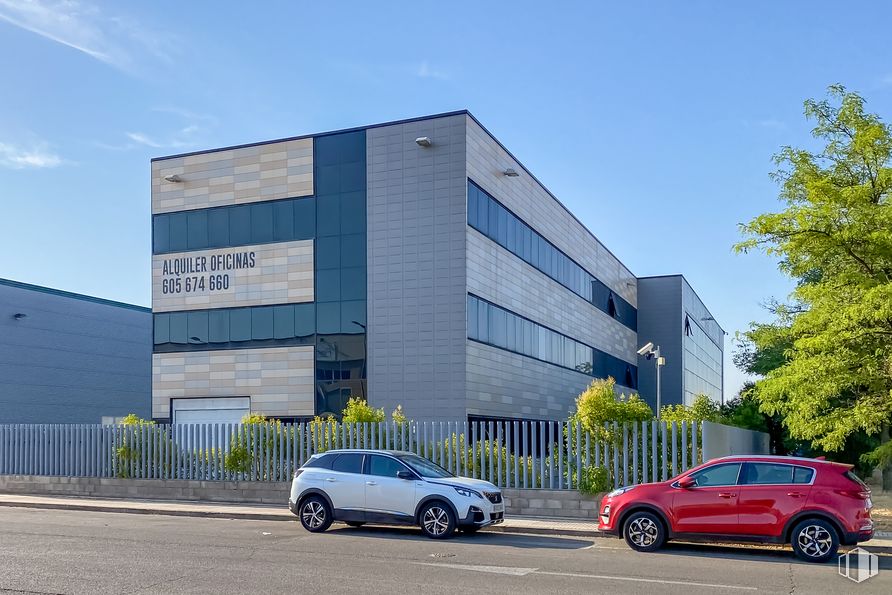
<point>259,516</point>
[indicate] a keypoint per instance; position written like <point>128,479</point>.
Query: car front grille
<point>494,497</point>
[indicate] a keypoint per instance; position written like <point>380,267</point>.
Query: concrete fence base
<point>544,503</point>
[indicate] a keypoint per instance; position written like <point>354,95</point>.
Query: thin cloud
<point>425,71</point>
<point>111,39</point>
<point>14,157</point>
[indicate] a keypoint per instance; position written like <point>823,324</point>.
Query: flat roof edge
<point>72,295</point>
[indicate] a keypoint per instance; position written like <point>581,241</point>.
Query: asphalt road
<point>48,551</point>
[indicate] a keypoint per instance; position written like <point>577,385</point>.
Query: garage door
<point>218,410</point>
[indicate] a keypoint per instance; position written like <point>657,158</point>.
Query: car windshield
<point>423,467</point>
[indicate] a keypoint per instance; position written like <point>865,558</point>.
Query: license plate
<point>498,508</point>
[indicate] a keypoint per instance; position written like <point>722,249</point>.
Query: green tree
<point>359,411</point>
<point>834,238</point>
<point>600,404</point>
<point>702,409</point>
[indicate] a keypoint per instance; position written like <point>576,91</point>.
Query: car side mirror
<point>687,483</point>
<point>405,474</point>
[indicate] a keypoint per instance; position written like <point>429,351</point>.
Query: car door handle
<point>795,494</point>
<point>330,479</point>
<point>726,495</point>
<point>371,483</point>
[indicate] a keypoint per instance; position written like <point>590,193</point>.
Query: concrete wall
<point>416,268</point>
<point>720,440</point>
<point>71,359</point>
<point>540,503</point>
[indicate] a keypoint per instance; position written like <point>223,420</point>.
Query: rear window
<point>803,474</point>
<point>319,462</point>
<point>856,479</point>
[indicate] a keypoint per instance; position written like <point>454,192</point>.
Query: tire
<point>814,540</point>
<point>355,523</point>
<point>437,520</point>
<point>644,532</point>
<point>314,514</point>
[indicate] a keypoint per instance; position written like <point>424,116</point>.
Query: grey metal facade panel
<point>660,320</point>
<point>529,200</point>
<point>72,359</point>
<point>417,219</point>
<point>505,384</point>
<point>502,278</point>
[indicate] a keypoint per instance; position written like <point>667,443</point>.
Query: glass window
<point>261,222</point>
<point>483,321</point>
<point>472,205</point>
<point>353,212</point>
<point>328,253</point>
<point>304,320</point>
<point>162,328</point>
<point>179,331</point>
<point>328,216</point>
<point>717,475</point>
<point>353,250</point>
<point>161,233</point>
<point>197,226</point>
<point>353,316</point>
<point>353,283</point>
<point>328,285</point>
<point>240,324</point>
<point>385,466</point>
<point>178,232</point>
<point>803,474</point>
<point>283,220</point>
<point>424,467</point>
<point>328,317</point>
<point>283,322</point>
<point>767,474</point>
<point>493,231</point>
<point>218,326</point>
<point>483,212</point>
<point>347,463</point>
<point>240,225</point>
<point>472,317</point>
<point>262,323</point>
<point>304,218</point>
<point>497,327</point>
<point>352,176</point>
<point>320,461</point>
<point>198,327</point>
<point>218,228</point>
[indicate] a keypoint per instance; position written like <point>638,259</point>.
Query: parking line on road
<point>646,580</point>
<point>510,570</point>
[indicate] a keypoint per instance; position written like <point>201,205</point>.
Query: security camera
<point>646,349</point>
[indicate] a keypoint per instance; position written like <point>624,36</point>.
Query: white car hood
<point>476,484</point>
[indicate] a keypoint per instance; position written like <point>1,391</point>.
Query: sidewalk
<point>524,525</point>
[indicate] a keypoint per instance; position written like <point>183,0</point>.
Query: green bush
<point>599,405</point>
<point>593,480</point>
<point>702,409</point>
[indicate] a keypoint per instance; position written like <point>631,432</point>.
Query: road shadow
<point>778,555</point>
<point>481,538</point>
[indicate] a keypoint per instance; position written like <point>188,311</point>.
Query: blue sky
<point>654,122</point>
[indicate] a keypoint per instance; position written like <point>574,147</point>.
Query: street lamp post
<point>651,351</point>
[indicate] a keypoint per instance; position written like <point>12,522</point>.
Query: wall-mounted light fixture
<point>511,172</point>
<point>423,141</point>
<point>173,178</point>
<point>19,315</point>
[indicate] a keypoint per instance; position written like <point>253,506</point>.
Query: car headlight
<point>619,491</point>
<point>467,493</point>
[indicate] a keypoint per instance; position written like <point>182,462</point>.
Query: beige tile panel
<point>282,274</point>
<point>234,176</point>
<point>278,380</point>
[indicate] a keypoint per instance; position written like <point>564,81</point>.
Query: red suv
<point>810,503</point>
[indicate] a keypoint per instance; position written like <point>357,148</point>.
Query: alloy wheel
<point>643,532</point>
<point>435,521</point>
<point>313,514</point>
<point>815,541</point>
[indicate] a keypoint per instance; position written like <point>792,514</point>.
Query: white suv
<point>390,487</point>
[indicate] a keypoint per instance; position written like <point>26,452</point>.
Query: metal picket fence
<point>511,454</point>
